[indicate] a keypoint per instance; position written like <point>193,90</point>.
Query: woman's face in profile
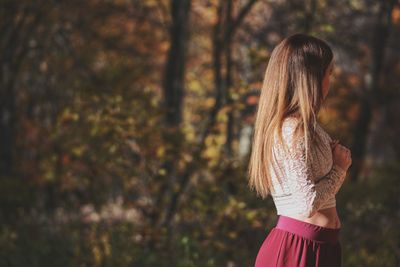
<point>325,82</point>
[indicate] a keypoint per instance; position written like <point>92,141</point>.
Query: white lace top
<point>305,188</point>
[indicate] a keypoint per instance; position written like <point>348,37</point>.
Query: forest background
<point>126,127</point>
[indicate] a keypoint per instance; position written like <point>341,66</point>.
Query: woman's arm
<point>310,193</point>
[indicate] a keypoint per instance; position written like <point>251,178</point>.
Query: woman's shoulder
<point>289,125</point>
<point>295,140</point>
<point>289,140</point>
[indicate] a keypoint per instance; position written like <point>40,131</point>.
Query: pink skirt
<point>294,243</point>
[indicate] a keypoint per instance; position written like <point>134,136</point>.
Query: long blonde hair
<point>292,86</point>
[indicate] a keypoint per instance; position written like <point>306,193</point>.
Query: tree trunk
<point>173,86</point>
<point>368,101</point>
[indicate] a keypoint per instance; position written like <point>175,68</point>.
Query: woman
<point>295,160</point>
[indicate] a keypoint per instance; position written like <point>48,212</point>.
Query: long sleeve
<point>310,192</point>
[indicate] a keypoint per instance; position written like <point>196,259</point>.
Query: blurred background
<point>125,128</point>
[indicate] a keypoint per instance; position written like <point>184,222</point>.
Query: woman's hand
<point>341,155</point>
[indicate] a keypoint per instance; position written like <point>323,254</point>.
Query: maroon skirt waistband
<point>308,230</point>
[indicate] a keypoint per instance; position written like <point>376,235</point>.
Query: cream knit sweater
<point>305,188</point>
